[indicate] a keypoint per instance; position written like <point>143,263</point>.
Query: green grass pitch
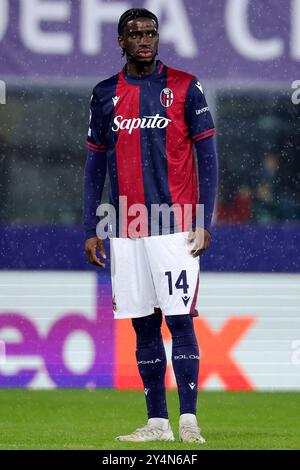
<point>82,419</point>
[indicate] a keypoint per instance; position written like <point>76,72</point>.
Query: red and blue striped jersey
<point>147,128</point>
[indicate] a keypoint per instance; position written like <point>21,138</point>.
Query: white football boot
<point>189,430</point>
<point>157,429</point>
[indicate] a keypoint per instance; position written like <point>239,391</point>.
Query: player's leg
<point>152,363</point>
<point>135,298</point>
<point>176,278</point>
<point>185,360</point>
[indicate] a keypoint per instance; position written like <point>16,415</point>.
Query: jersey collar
<point>139,80</point>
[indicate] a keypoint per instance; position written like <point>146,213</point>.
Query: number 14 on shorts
<point>180,283</point>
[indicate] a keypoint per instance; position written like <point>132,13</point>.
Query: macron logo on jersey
<point>199,86</point>
<point>147,122</point>
<point>115,100</point>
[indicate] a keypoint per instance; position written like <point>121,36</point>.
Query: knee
<point>180,325</point>
<point>148,329</point>
<point>182,330</point>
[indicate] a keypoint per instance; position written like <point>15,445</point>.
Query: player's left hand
<point>201,239</point>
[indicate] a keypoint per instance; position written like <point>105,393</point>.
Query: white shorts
<point>153,272</point>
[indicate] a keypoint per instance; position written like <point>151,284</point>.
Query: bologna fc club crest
<point>166,97</point>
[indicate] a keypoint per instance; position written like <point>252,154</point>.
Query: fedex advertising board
<point>57,330</point>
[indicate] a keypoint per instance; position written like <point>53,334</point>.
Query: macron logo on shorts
<point>185,300</point>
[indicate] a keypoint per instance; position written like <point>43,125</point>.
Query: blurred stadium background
<point>56,322</point>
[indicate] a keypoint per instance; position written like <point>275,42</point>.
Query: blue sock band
<point>185,360</point>
<point>152,363</point>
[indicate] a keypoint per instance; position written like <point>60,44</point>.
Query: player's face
<point>140,40</point>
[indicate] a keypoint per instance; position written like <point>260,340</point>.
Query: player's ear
<point>121,44</point>
<point>121,41</point>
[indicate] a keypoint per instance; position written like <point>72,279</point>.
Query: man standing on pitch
<point>145,123</point>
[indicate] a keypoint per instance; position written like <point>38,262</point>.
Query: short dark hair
<point>133,14</point>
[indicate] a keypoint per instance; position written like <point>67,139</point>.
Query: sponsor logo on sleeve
<point>202,111</point>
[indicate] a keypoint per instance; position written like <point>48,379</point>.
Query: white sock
<point>187,418</point>
<point>159,422</point>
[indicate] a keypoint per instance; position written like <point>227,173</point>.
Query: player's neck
<point>136,70</point>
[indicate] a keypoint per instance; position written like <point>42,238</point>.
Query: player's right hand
<point>91,245</point>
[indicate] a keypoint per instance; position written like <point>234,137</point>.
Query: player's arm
<point>94,180</point>
<point>208,181</point>
<point>202,131</point>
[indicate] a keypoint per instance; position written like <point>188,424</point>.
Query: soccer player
<point>145,123</point>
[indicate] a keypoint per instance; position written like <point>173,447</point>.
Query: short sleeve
<point>198,116</point>
<point>96,138</point>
